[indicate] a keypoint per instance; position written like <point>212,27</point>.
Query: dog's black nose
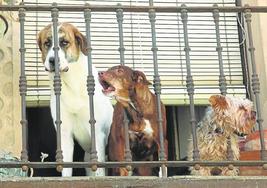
<point>100,73</point>
<point>52,63</point>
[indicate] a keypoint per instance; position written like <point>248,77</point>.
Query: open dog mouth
<point>107,88</point>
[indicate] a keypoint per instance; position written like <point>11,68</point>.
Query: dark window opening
<point>42,138</point>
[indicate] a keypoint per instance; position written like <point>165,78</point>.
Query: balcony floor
<point>136,182</point>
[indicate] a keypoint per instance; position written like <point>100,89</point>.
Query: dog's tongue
<point>109,89</point>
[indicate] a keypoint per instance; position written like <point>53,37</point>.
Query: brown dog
<point>130,89</point>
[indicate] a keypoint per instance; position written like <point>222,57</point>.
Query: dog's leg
<point>67,143</point>
<point>67,149</point>
<point>87,159</point>
<point>100,148</point>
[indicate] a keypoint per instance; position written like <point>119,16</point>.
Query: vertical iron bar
<point>23,90</point>
<point>157,86</point>
<point>90,86</point>
<point>127,152</point>
<point>120,20</point>
<point>222,80</point>
<point>57,84</point>
<point>255,81</point>
<point>190,83</point>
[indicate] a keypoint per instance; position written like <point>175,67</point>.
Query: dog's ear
<point>41,33</point>
<point>39,41</point>
<point>218,101</point>
<point>139,77</point>
<point>81,39</point>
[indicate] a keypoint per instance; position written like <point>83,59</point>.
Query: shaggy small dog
<point>227,117</point>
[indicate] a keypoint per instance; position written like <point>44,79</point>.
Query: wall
<point>10,129</point>
<point>259,29</point>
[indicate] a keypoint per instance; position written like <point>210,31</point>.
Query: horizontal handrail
<point>133,163</point>
<point>102,8</point>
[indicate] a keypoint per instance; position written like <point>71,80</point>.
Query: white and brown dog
<point>74,104</point>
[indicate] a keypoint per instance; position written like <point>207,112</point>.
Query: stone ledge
<point>136,182</point>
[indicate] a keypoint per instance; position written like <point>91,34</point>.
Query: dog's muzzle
<point>52,66</point>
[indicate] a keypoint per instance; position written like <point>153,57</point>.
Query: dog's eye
<point>47,44</point>
<point>64,43</point>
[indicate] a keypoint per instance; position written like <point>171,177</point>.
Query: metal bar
<point>255,82</point>
<point>57,84</point>
<point>120,20</point>
<point>124,163</point>
<point>127,152</point>
<point>90,86</point>
<point>105,8</point>
<point>23,90</point>
<point>222,80</point>
<point>157,87</point>
<point>190,84</point>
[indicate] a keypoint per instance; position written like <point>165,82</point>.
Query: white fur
<point>148,129</point>
<point>75,114</point>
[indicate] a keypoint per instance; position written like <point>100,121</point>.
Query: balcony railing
<point>245,11</point>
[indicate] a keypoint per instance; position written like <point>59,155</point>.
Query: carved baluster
<point>190,84</point>
<point>23,91</point>
<point>157,87</point>
<point>90,87</point>
<point>57,85</point>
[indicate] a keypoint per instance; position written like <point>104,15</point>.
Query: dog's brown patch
<point>218,101</point>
